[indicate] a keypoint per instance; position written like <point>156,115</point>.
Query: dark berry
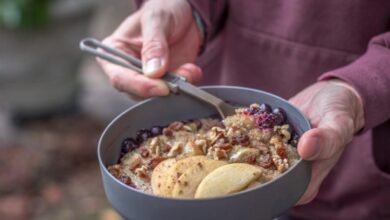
<point>253,110</point>
<point>265,108</point>
<point>143,135</point>
<point>129,144</point>
<point>294,140</point>
<point>156,130</point>
<point>126,180</point>
<point>280,115</point>
<point>265,120</point>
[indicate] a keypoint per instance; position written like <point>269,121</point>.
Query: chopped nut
<point>155,161</point>
<point>133,161</point>
<point>227,147</point>
<point>176,149</point>
<point>141,172</point>
<point>115,170</point>
<point>165,148</point>
<point>217,153</point>
<point>144,152</point>
<point>167,132</point>
<point>191,149</point>
<point>265,160</point>
<point>200,142</point>
<point>176,125</point>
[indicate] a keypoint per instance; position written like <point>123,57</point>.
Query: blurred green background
<point>54,104</point>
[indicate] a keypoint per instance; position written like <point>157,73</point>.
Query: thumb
<point>155,47</point>
<point>319,143</point>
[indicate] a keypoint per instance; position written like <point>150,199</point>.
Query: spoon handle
<point>174,82</point>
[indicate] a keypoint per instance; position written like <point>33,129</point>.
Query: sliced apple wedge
<point>227,179</point>
<point>177,170</point>
<point>159,176</point>
<point>187,183</point>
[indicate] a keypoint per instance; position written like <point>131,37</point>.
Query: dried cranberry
<point>251,159</point>
<point>129,144</point>
<point>264,108</point>
<point>143,135</point>
<point>144,152</point>
<point>167,132</point>
<point>280,115</point>
<point>126,180</point>
<point>265,120</point>
<point>165,148</point>
<point>155,161</point>
<point>281,151</point>
<point>156,130</point>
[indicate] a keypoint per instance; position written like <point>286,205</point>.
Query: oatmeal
<point>187,159</point>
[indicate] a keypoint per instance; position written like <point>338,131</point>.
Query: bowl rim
<point>237,194</point>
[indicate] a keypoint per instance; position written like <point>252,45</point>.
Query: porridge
<point>208,157</point>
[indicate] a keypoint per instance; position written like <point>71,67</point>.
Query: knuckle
<point>116,82</point>
<point>143,90</point>
<point>153,48</point>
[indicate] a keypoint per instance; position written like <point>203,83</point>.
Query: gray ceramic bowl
<point>265,202</point>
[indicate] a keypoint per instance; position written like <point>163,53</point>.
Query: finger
<point>320,170</point>
<point>312,190</point>
<point>128,81</point>
<point>154,51</point>
<point>319,143</point>
<point>191,72</point>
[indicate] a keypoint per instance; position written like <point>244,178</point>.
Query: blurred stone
<point>109,214</point>
<point>52,194</point>
<point>15,207</point>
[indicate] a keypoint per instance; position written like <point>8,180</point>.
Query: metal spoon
<point>174,82</point>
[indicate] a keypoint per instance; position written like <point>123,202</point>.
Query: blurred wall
<point>98,97</point>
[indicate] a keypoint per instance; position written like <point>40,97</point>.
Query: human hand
<point>165,36</point>
<point>335,111</point>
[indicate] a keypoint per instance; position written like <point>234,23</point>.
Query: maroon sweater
<point>282,46</point>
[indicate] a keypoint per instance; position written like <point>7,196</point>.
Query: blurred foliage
<point>24,13</point>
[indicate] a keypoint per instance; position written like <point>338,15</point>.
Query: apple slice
<point>187,183</point>
<point>227,179</point>
<point>159,176</point>
<point>177,170</point>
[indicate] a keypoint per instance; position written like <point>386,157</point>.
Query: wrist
<point>358,103</point>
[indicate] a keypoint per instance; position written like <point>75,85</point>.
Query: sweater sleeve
<point>370,76</point>
<point>213,14</point>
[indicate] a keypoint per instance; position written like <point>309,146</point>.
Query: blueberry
<point>143,135</point>
<point>280,115</point>
<point>156,130</point>
<point>294,140</point>
<point>129,144</point>
<point>265,108</point>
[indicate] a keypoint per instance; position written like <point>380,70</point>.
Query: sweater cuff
<point>370,76</point>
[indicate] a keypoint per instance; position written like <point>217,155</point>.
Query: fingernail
<point>152,66</point>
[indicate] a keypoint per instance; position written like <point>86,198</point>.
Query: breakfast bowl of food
<point>173,158</point>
